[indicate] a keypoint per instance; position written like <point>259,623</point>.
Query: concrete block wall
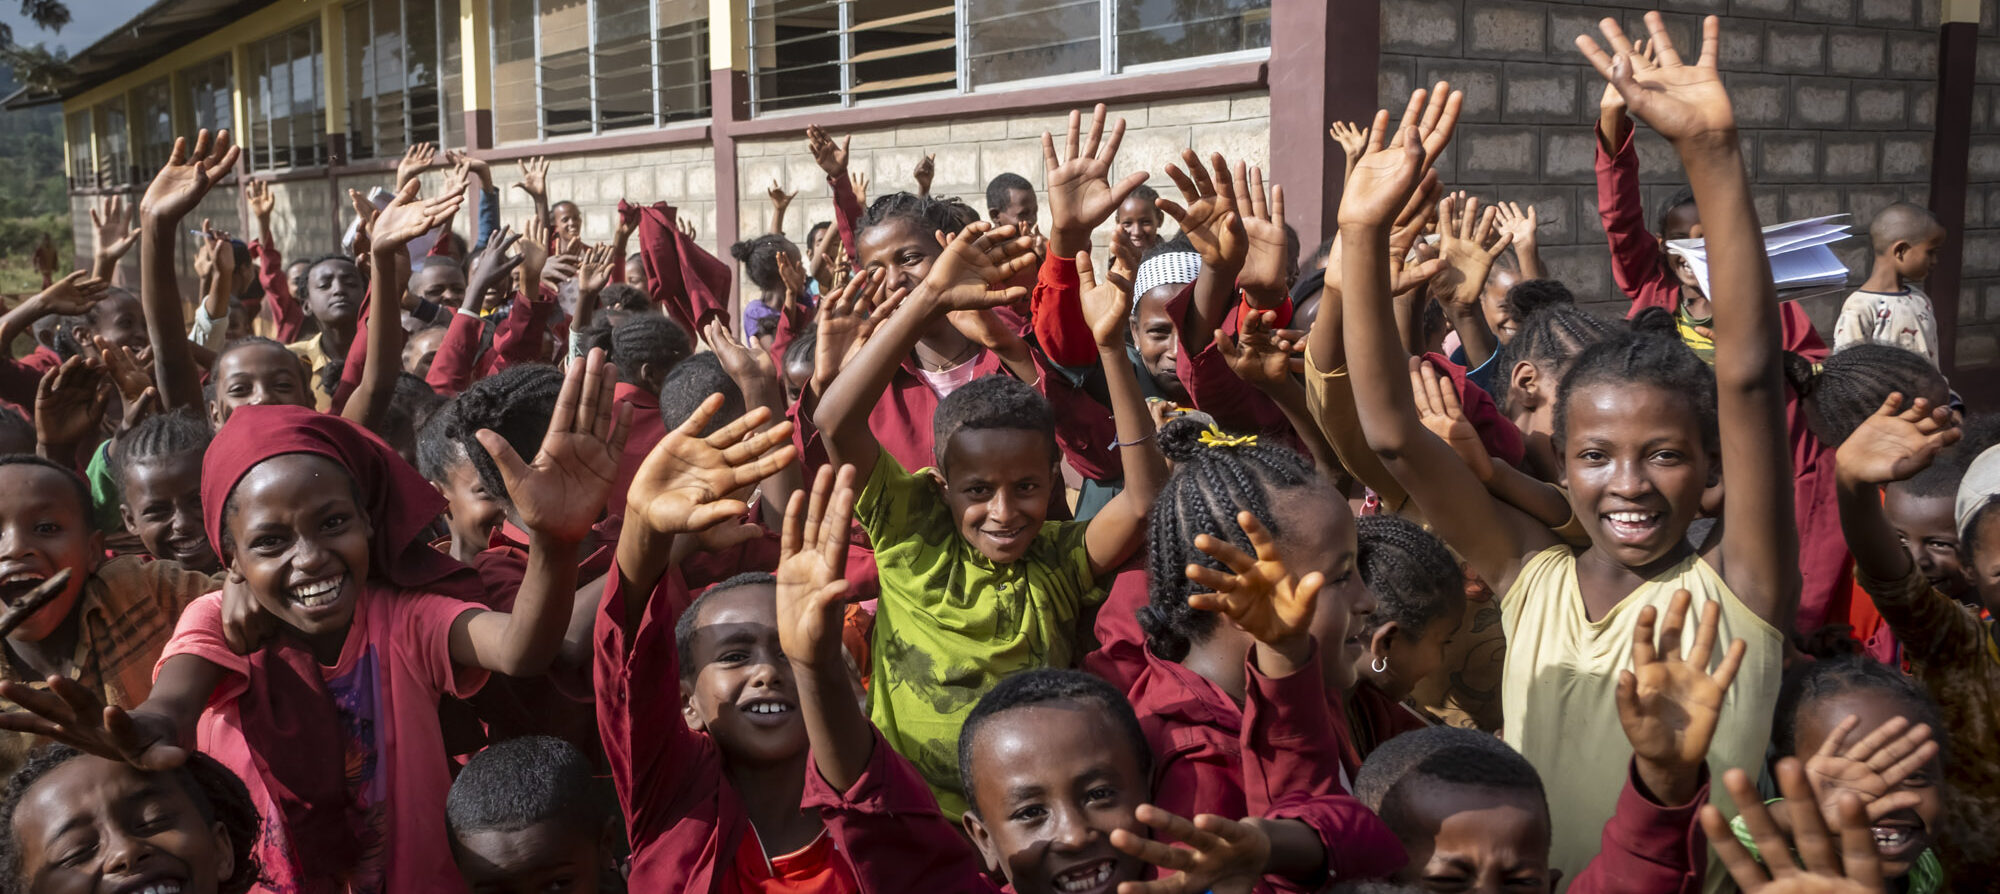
<point>972,151</point>
<point>1979,296</point>
<point>683,176</point>
<point>1835,99</point>
<point>219,207</point>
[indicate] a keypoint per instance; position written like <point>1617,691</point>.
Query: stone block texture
<point>1836,100</point>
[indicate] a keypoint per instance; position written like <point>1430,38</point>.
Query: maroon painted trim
<point>1951,143</point>
<point>1320,72</point>
<point>478,129</point>
<point>1120,88</point>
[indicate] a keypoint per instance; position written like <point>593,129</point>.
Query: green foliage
<point>31,160</point>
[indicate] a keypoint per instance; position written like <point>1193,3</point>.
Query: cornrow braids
<point>160,435</point>
<point>927,214</point>
<point>217,793</point>
<point>690,383</point>
<point>1851,384</point>
<point>1815,680</point>
<point>1551,332</point>
<point>1649,354</point>
<point>647,339</point>
<point>1414,578</point>
<point>1208,487</point>
<point>517,404</point>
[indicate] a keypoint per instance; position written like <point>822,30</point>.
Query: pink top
<point>393,668</point>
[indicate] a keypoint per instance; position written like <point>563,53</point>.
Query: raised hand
<point>793,275</point>
<point>1080,192</point>
<point>459,180</point>
<point>1681,101</point>
<point>594,273</point>
<point>534,178</point>
<point>114,227</point>
<point>561,493</point>
<point>1379,188</point>
<point>486,282</point>
<point>812,590</point>
<point>416,160</point>
<point>843,322</point>
<point>534,246</point>
<point>687,483</point>
<point>1439,410</point>
<point>1613,102</point>
<point>749,366</point>
<point>258,194</point>
<point>70,401</point>
<point>1210,218</point>
<point>475,166</point>
<point>130,373</point>
<point>1353,139</point>
<point>1258,593</point>
<point>561,269</point>
<point>1519,226</point>
<point>1870,770</point>
<point>926,171</point>
<point>73,294</point>
<point>831,158</point>
<point>1668,704</point>
<point>1468,244</point>
<point>1267,267</point>
<point>406,217</point>
<point>686,227</point>
<point>779,197</point>
<point>1896,442</point>
<point>364,221</point>
<point>1107,305</point>
<point>1856,868</point>
<point>981,255</point>
<point>860,183</point>
<point>1262,354</point>
<point>1218,855</point>
<point>187,177</point>
<point>66,712</point>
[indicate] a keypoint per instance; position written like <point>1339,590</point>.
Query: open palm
<point>980,255</point>
<point>1679,100</point>
<point>1080,192</point>
<point>1258,593</point>
<point>561,493</point>
<point>812,567</point>
<point>1210,218</point>
<point>187,176</point>
<point>1897,442</point>
<point>686,482</point>
<point>1668,703</point>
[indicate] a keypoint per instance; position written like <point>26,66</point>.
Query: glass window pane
<point>515,115</point>
<point>420,70</point>
<point>154,104</point>
<point>683,52</point>
<point>1015,39</point>
<point>360,84</point>
<point>794,53</point>
<point>1169,30</point>
<point>903,46</point>
<point>207,86</point>
<point>391,132</point>
<point>565,67</point>
<point>114,159</point>
<point>451,75</point>
<point>624,59</point>
<point>82,170</point>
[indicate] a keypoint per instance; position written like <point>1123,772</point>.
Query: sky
<point>89,20</point>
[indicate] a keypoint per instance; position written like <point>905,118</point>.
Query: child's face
<point>541,858</point>
<point>163,506</point>
<point>301,541</point>
<point>1411,655</point>
<point>1052,782</point>
<point>1317,534</point>
<point>635,271</point>
<point>99,825</point>
<point>1929,533</point>
<point>119,320</point>
<point>998,483</point>
<point>568,220</point>
<point>242,321</point>
<point>1493,302</point>
<point>421,349</point>
<point>44,528</point>
<point>1138,224</point>
<point>333,292</point>
<point>441,283</point>
<point>1021,210</point>
<point>743,692</point>
<point>1900,836</point>
<point>1916,260</point>
<point>1486,840</point>
<point>900,249</point>
<point>1636,469</point>
<point>470,511</point>
<point>258,375</point>
<point>1153,334</point>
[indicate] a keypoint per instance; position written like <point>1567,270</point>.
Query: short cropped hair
<point>690,620</point>
<point>992,402</point>
<point>520,783</point>
<point>1041,687</point>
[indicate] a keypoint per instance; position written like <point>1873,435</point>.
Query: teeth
<point>1084,881</point>
<point>161,888</point>
<point>20,577</point>
<point>768,708</point>
<point>1632,518</point>
<point>1891,837</point>
<point>318,593</point>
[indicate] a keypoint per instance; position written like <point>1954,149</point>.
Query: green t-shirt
<point>950,624</point>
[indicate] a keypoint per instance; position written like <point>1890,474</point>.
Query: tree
<point>35,65</point>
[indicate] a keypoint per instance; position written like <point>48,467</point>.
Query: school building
<point>1845,105</point>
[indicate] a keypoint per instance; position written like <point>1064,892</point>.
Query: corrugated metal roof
<point>156,31</point>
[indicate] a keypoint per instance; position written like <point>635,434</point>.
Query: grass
<point>18,278</point>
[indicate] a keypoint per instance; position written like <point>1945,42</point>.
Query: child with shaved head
<point>1891,308</point>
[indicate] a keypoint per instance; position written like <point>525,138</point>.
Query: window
<point>114,159</point>
<point>596,65</point>
<point>398,53</point>
<point>209,99</point>
<point>76,130</point>
<point>287,108</point>
<point>807,53</point>
<point>154,125</point>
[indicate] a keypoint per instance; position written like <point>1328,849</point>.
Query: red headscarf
<point>289,722</point>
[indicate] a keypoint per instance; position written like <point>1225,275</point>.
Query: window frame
<point>261,79</point>
<point>655,72</point>
<point>434,55</point>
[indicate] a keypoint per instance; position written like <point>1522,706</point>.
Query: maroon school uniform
<point>1648,848</point>
<point>516,339</point>
<point>647,431</point>
<point>288,319</point>
<point>1215,389</point>
<point>1120,656</point>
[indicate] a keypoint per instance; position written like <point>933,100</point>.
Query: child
<point>1003,591</point>
<point>1549,334</point>
<point>1420,603</point>
<point>524,817</point>
<point>1168,268</point>
<point>1010,202</point>
<point>1891,308</point>
<point>333,722</point>
<point>772,263</point>
<point>256,372</point>
<point>1138,219</point>
<point>1641,426</point>
<point>1950,651</point>
<point>159,468</point>
<point>1863,731</point>
<point>471,514</point>
<point>78,822</point>
<point>108,625</point>
<point>1848,864</point>
<point>645,348</point>
<point>1473,813</point>
<point>335,289</point>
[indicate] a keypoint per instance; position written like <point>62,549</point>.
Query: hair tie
<point>1215,437</point>
<point>1818,368</point>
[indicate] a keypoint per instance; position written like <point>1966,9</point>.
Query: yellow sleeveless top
<point>1558,692</point>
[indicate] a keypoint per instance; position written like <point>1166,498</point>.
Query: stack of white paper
<point>1801,259</point>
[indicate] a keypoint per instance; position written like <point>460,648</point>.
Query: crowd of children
<point>953,557</point>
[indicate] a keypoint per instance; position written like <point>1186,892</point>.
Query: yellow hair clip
<point>1215,437</point>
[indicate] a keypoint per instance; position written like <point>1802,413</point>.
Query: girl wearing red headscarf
<point>315,673</point>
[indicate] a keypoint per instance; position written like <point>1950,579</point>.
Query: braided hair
<point>1551,331</point>
<point>1651,354</point>
<point>217,793</point>
<point>645,339</point>
<point>1208,487</point>
<point>161,435</point>
<point>1852,383</point>
<point>693,381</point>
<point>1829,677</point>
<point>1414,578</point>
<point>927,214</point>
<point>517,404</point>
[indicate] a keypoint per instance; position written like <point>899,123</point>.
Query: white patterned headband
<point>1175,267</point>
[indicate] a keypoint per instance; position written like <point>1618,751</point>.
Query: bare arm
<point>175,192</point>
<point>811,597</point>
<point>1120,527</point>
<point>1892,445</point>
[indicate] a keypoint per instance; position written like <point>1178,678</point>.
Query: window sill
<point>675,134</point>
